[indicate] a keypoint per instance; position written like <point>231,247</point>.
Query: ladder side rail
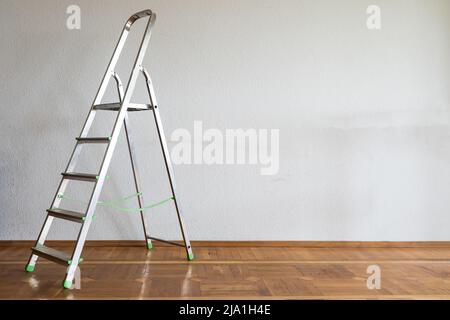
<point>105,80</point>
<point>117,52</point>
<point>84,131</point>
<point>111,66</point>
<point>110,150</point>
<point>167,160</point>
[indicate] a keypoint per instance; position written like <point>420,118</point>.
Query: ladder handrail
<point>137,16</point>
<point>118,50</point>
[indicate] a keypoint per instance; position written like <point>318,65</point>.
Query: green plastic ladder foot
<point>29,268</point>
<point>149,245</point>
<point>191,256</point>
<point>67,284</point>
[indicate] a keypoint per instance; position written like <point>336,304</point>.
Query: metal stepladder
<point>123,107</point>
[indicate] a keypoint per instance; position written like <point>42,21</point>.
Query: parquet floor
<point>233,273</point>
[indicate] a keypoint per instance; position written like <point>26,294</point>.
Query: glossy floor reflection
<point>233,273</point>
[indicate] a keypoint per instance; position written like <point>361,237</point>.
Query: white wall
<point>363,115</point>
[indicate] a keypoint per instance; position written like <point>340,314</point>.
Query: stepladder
<point>96,180</point>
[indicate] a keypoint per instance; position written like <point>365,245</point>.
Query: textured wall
<point>363,115</point>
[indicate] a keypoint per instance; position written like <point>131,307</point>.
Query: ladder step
<point>80,176</point>
<point>51,254</point>
<point>94,140</point>
<point>66,214</point>
<point>116,107</point>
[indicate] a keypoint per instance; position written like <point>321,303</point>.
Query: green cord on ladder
<point>115,204</point>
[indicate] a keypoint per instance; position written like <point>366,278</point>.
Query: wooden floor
<point>233,273</point>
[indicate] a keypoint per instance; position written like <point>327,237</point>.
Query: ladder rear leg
<point>169,168</point>
<point>134,166</point>
<point>137,181</point>
<point>167,161</point>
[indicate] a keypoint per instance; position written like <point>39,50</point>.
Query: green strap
<point>116,204</point>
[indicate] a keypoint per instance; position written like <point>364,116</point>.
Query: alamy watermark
<point>231,146</point>
<point>374,279</point>
<point>374,20</point>
<point>73,21</point>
